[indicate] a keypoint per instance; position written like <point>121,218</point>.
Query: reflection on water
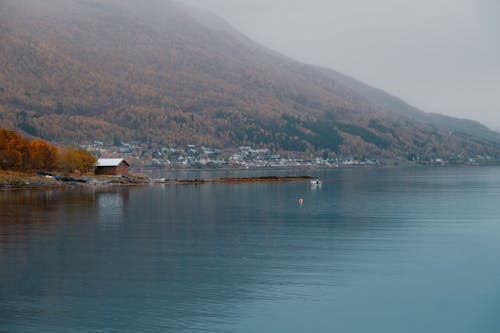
<point>111,207</point>
<point>45,207</point>
<point>368,251</point>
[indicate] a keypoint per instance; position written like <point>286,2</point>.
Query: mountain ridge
<point>174,75</point>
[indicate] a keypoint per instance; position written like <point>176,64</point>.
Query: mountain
<point>78,70</point>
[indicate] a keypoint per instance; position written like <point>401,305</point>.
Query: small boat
<point>315,182</point>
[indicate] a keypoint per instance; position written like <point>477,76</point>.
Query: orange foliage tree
<point>43,156</point>
<point>18,153</point>
<point>78,160</point>
<point>13,150</point>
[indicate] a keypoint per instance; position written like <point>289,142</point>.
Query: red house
<point>112,167</point>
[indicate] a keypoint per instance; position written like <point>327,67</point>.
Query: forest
<point>21,154</point>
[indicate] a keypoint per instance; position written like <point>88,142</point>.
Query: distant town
<point>192,156</point>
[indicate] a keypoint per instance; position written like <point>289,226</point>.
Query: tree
<point>43,156</point>
<point>77,160</point>
<point>59,108</point>
<point>87,161</point>
<point>13,151</point>
<point>18,153</point>
<point>9,159</point>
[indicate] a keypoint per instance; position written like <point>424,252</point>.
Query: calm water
<point>370,251</point>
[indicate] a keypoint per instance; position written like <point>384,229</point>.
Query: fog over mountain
<point>165,73</point>
<point>442,56</point>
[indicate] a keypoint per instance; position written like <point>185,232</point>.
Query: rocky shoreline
<point>236,180</point>
<point>52,182</point>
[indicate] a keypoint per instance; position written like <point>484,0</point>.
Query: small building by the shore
<point>112,167</point>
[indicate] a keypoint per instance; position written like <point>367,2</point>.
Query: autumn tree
<point>13,151</point>
<point>77,160</point>
<point>43,156</point>
<point>18,153</point>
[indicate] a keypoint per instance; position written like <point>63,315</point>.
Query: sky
<point>441,56</point>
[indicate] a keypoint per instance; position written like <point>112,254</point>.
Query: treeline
<point>20,154</point>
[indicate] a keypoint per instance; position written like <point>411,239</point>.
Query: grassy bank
<point>13,179</point>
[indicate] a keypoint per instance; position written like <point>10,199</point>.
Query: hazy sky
<point>439,55</point>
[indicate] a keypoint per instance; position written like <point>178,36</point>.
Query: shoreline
<point>11,181</point>
<point>235,180</point>
<point>19,182</point>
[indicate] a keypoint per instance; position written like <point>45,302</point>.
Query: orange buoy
<point>301,201</point>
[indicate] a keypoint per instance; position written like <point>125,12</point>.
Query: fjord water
<point>390,250</point>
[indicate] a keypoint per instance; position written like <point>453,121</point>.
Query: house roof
<point>110,162</point>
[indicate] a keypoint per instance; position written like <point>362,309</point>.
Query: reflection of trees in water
<point>42,207</point>
<point>50,207</point>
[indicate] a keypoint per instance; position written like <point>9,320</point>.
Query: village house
<point>112,167</point>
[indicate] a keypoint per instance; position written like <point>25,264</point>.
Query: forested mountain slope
<point>79,70</point>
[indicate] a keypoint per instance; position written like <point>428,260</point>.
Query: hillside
<point>79,70</point>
